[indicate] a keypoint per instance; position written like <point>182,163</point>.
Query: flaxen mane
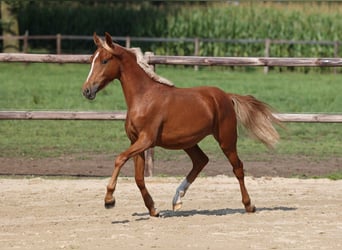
<point>144,65</point>
<point>148,68</point>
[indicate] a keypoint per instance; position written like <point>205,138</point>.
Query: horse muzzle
<point>90,92</point>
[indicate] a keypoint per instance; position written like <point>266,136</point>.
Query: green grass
<point>58,87</point>
<point>334,176</point>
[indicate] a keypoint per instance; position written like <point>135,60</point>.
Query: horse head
<point>105,66</point>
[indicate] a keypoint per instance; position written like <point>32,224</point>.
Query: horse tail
<point>257,117</point>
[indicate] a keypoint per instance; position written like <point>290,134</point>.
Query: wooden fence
<point>173,60</point>
<point>196,41</point>
<point>183,60</point>
<point>168,60</point>
<point>121,115</point>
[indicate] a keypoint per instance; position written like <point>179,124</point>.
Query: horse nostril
<point>90,91</point>
<point>86,92</point>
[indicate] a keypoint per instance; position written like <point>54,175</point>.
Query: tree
<point>10,26</point>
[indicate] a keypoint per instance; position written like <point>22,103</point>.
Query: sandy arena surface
<point>40,213</point>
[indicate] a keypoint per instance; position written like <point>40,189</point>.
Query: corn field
<point>309,22</point>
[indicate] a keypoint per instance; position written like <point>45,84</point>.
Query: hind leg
<point>199,160</point>
<point>239,173</point>
<point>227,138</point>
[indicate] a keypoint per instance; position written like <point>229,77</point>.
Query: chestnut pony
<point>160,114</point>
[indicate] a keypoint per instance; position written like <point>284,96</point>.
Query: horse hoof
<point>154,213</point>
<point>177,206</point>
<point>109,204</point>
<point>250,209</point>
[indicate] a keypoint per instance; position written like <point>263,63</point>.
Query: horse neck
<point>134,81</point>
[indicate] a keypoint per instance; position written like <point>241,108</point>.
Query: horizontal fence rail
<point>183,60</point>
<point>43,58</point>
<point>245,61</point>
<point>322,118</point>
<point>121,115</point>
<point>62,115</point>
<point>26,36</point>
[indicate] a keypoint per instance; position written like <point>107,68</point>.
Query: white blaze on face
<point>92,65</point>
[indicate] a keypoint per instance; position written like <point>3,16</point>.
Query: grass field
<point>57,87</point>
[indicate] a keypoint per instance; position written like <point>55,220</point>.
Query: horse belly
<point>180,142</point>
<point>185,131</point>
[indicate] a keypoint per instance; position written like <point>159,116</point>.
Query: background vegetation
<point>225,20</point>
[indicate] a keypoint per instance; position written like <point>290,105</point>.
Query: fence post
<point>267,52</point>
<point>128,42</point>
<point>149,159</point>
<point>59,44</point>
<point>196,51</point>
<point>336,49</point>
<point>149,153</point>
<point>25,42</point>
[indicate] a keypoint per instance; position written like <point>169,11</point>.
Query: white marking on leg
<point>180,192</point>
<point>92,65</point>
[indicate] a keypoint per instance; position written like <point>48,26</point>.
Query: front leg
<point>109,198</point>
<point>136,148</point>
<point>139,164</point>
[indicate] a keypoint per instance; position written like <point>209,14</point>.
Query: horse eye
<point>104,61</point>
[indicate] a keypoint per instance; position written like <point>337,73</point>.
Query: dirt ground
<point>68,213</point>
<point>102,165</point>
<point>59,213</point>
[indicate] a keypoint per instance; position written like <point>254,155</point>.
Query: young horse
<point>159,114</point>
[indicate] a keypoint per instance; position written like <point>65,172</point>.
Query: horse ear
<point>97,40</point>
<point>109,40</point>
